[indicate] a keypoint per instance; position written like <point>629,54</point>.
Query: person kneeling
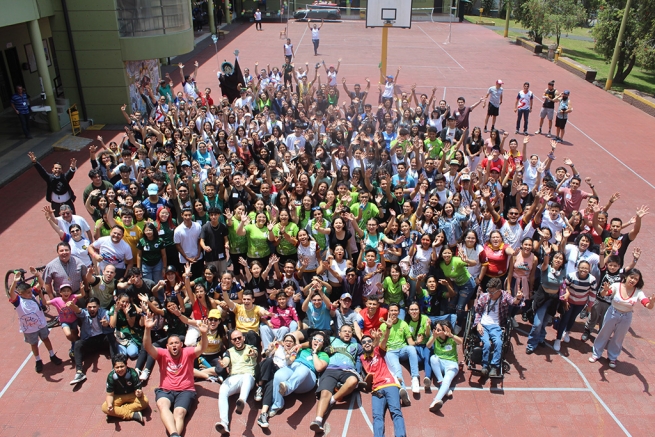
<point>125,399</point>
<point>491,314</point>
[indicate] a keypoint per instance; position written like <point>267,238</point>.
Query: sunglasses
<point>319,339</point>
<point>367,341</point>
<point>237,339</point>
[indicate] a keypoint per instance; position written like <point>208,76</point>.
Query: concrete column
<point>226,12</point>
<point>42,69</point>
<point>210,11</point>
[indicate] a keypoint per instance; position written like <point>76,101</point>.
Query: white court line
<point>498,389</point>
<point>363,411</point>
<point>299,42</point>
<point>444,94</point>
<point>350,413</point>
<point>439,45</point>
<point>16,373</point>
<point>586,382</point>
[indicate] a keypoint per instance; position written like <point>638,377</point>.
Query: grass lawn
<point>583,52</point>
<point>579,31</point>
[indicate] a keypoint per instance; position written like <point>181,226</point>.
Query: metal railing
<point>152,17</point>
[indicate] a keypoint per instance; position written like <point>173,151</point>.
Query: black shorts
<point>179,399</point>
<point>492,110</point>
<point>560,122</point>
<point>332,377</point>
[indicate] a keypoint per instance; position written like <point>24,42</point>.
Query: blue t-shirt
<point>318,318</point>
<point>406,182</point>
<point>151,208</point>
<point>344,360</point>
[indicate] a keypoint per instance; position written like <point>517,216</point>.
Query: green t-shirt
<point>446,350</point>
<point>150,251</point>
<point>393,291</point>
<point>167,234</point>
<point>303,217</point>
<point>238,243</point>
<point>368,212</point>
<point>321,239</point>
<point>257,239</point>
<point>456,270</point>
<point>419,327</point>
<point>285,247</point>
<point>433,147</point>
<point>134,333</point>
<point>398,336</point>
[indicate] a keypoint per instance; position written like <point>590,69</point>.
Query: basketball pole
<point>383,55</point>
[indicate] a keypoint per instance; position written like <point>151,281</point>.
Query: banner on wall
<point>142,74</point>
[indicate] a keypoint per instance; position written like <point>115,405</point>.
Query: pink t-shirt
<point>66,315</point>
<point>176,375</point>
<point>282,317</point>
<point>572,199</point>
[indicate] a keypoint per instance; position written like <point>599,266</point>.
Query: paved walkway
<point>544,394</point>
<point>563,36</point>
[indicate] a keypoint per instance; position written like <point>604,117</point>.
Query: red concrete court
<point>544,394</point>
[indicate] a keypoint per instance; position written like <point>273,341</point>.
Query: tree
<point>551,17</point>
<point>638,47</point>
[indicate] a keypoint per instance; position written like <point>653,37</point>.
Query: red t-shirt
<point>495,165</point>
<point>376,365</point>
<point>176,375</point>
<point>497,266</point>
<point>373,322</point>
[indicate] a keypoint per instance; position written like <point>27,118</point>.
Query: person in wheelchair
<point>491,315</point>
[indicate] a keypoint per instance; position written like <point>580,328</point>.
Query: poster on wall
<point>141,76</point>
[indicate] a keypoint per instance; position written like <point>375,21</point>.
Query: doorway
<point>13,65</point>
<point>5,85</point>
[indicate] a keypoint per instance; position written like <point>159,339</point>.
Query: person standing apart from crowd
<point>523,107</point>
<point>548,108</point>
<point>618,318</point>
<point>564,108</point>
<point>288,50</point>
<point>176,393</point>
<point>125,398</point>
<point>495,98</point>
<point>21,104</point>
<point>258,19</point>
<point>315,35</point>
<point>58,190</point>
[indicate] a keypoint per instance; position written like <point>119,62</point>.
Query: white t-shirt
<point>626,306</point>
<point>75,220</point>
<point>188,238</point>
<point>574,257</point>
<point>258,16</point>
<point>112,253</point>
<point>190,90</point>
<point>291,146</point>
<point>332,78</point>
<point>524,100</point>
<point>491,313</point>
<point>288,50</point>
<point>315,34</point>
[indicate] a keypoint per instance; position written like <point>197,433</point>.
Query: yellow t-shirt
<point>247,320</point>
<point>214,344</point>
<point>242,362</point>
<point>132,236</point>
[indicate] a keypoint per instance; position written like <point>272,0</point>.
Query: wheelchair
<point>473,346</point>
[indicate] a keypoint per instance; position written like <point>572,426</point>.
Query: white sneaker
<point>145,374</point>
<point>565,337</point>
<point>415,385</point>
<point>556,345</point>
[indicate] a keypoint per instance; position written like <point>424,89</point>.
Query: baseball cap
<point>215,314</point>
<point>452,117</point>
<point>389,77</point>
<point>499,82</point>
<point>153,189</point>
<point>346,296</point>
<point>567,92</point>
<point>466,177</point>
<point>64,285</point>
<point>452,162</point>
<point>186,163</point>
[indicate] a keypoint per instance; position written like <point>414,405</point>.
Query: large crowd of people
<point>309,237</point>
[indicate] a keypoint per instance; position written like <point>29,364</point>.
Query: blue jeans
<point>423,353</point>
<point>268,335</point>
<point>297,377</point>
<point>131,350</point>
<point>404,353</point>
<point>388,397</point>
<point>445,371</point>
<point>568,319</point>
<point>538,332</point>
<point>452,318</point>
<point>465,293</point>
<point>152,272</point>
<point>315,42</point>
<point>616,323</point>
<point>522,113</point>
<point>495,334</point>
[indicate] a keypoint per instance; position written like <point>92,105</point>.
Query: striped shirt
<point>581,290</point>
<point>21,103</point>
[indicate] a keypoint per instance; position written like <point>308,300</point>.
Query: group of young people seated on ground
<point>281,244</point>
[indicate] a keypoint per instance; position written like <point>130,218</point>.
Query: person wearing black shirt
<point>548,108</point>
<point>213,240</point>
<point>125,399</point>
<point>136,284</point>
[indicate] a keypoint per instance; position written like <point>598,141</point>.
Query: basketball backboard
<point>397,13</point>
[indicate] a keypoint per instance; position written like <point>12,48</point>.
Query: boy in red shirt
<point>385,388</point>
<point>372,315</point>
